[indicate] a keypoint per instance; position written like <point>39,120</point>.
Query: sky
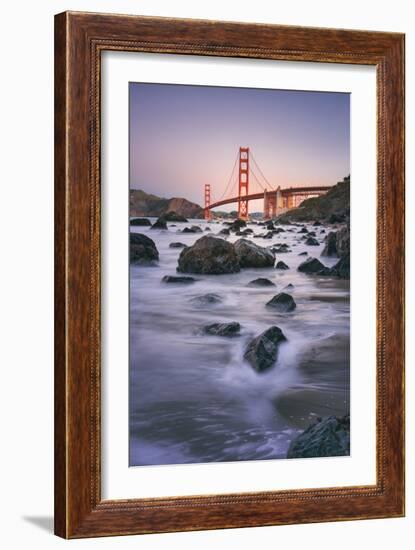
<point>182,137</point>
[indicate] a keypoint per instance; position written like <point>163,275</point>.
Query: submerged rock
<point>179,280</point>
<point>140,222</point>
<point>311,241</point>
<point>289,287</point>
<point>327,437</point>
<point>311,265</point>
<point>177,245</point>
<point>159,224</point>
<point>207,299</point>
<point>209,255</point>
<point>281,265</point>
<point>224,231</point>
<point>303,230</point>
<point>262,352</point>
<point>223,329</point>
<point>282,302</point>
<point>143,250</point>
<point>303,254</point>
<point>192,229</point>
<point>261,281</point>
<point>173,217</point>
<point>251,255</point>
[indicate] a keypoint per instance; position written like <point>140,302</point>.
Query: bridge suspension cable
<point>261,172</point>
<point>233,173</point>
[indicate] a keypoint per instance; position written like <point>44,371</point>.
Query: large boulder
<point>311,265</point>
<point>326,437</point>
<point>282,302</point>
<point>251,255</point>
<point>262,352</point>
<point>143,250</point>
<point>209,255</point>
<point>140,222</point>
<point>223,329</point>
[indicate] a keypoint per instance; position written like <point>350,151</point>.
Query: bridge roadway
<point>289,191</point>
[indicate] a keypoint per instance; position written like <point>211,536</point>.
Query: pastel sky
<point>182,137</point>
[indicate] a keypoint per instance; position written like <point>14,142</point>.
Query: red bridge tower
<point>243,183</point>
<point>208,213</point>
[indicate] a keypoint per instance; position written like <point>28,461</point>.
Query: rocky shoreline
<point>214,254</point>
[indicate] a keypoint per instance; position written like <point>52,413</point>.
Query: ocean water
<point>193,398</point>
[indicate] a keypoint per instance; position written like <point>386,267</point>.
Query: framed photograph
<point>229,276</point>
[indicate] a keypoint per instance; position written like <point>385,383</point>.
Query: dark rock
<point>281,265</point>
<point>208,229</point>
<point>326,437</point>
<point>224,231</point>
<point>311,265</point>
<point>223,329</point>
<point>311,241</point>
<point>342,268</point>
<point>140,222</point>
<point>289,287</point>
<point>192,229</point>
<point>311,233</point>
<point>143,250</point>
<point>159,224</point>
<point>282,302</point>
<point>244,232</point>
<point>207,299</point>
<point>251,255</point>
<point>177,245</point>
<point>343,241</point>
<point>331,247</point>
<point>268,235</point>
<point>270,226</point>
<point>179,280</point>
<point>261,282</point>
<point>237,225</point>
<point>303,230</point>
<point>337,218</point>
<point>262,351</point>
<point>281,249</point>
<point>173,217</point>
<point>303,254</point>
<point>316,223</point>
<point>209,255</point>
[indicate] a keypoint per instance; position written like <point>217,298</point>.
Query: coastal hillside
<point>333,207</point>
<point>145,204</point>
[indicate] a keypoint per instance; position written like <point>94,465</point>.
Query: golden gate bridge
<point>242,183</point>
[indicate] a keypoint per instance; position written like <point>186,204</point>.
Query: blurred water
<point>192,396</point>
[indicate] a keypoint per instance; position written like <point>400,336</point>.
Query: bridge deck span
<point>289,191</point>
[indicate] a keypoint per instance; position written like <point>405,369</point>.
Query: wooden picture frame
<point>79,40</point>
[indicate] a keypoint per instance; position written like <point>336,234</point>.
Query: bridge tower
<point>243,182</point>
<point>208,213</point>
